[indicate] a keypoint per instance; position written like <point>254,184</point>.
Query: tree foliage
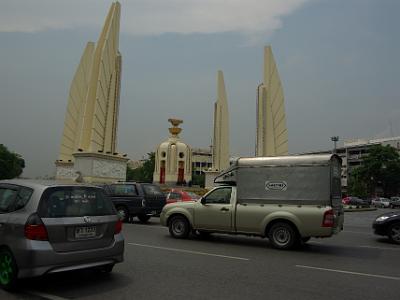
<point>381,168</point>
<point>198,179</point>
<point>143,173</point>
<point>11,164</point>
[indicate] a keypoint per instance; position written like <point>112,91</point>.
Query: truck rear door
<point>155,199</point>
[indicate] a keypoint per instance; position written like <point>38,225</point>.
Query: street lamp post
<point>334,139</point>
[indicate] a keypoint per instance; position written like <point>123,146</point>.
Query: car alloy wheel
<point>179,227</point>
<point>394,233</point>
<point>282,235</point>
<point>8,270</point>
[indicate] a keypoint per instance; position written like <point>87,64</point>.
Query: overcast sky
<point>338,61</point>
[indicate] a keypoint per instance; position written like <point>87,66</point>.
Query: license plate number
<point>85,232</point>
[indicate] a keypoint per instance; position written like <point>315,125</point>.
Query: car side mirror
<point>203,201</point>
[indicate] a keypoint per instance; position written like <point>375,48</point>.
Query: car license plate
<point>85,232</point>
<point>153,212</point>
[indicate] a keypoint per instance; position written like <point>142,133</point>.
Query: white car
<point>381,202</point>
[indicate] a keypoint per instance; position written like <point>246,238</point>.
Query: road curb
<point>357,209</point>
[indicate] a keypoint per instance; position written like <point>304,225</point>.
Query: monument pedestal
<point>93,168</point>
<point>210,176</point>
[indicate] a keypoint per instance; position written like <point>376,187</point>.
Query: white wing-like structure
<point>272,138</point>
<point>92,111</point>
<point>221,127</point>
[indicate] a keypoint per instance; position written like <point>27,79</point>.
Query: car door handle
<point>224,209</point>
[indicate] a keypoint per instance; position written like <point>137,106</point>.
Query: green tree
<point>381,168</point>
<point>11,164</point>
<point>199,179</point>
<point>143,173</point>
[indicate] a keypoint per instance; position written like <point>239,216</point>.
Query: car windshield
<point>75,202</point>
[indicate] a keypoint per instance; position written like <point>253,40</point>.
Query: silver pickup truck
<point>287,199</point>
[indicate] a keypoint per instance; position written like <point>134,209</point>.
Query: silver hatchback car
<point>53,227</point>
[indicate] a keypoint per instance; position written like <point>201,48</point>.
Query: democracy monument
<point>88,147</point>
<point>88,150</point>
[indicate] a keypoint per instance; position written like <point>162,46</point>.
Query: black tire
<point>123,213</point>
<point>8,270</point>
<point>283,236</point>
<point>179,227</point>
<point>143,218</point>
<point>394,232</point>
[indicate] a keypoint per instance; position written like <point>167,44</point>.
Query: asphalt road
<point>352,265</point>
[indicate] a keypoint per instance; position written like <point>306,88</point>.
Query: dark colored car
<point>50,227</point>
<point>133,199</point>
<point>388,225</point>
<point>357,201</point>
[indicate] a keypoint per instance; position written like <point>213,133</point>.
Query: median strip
<point>349,272</point>
<point>188,251</point>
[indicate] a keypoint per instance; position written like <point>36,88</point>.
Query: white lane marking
<point>45,295</point>
<point>188,251</point>
<point>380,248</point>
<point>349,272</point>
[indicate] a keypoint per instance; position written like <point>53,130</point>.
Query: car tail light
<point>35,229</point>
<point>118,227</point>
<point>329,218</point>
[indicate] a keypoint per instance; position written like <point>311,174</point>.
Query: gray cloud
<point>150,17</point>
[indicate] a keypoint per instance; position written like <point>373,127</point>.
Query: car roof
<point>40,184</point>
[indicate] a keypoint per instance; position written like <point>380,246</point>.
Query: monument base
<point>210,176</point>
<point>93,168</point>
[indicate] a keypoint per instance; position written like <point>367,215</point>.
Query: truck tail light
<point>329,218</point>
<point>118,227</point>
<point>35,229</point>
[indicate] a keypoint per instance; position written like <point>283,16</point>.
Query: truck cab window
<point>219,196</point>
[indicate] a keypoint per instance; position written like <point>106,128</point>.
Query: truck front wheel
<point>282,235</point>
<point>179,227</point>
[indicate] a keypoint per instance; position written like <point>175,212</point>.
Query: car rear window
<point>14,198</point>
<point>63,202</point>
<point>123,189</point>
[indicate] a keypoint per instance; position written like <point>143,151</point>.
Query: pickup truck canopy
<point>287,179</point>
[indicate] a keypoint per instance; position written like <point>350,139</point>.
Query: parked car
<point>356,201</point>
<point>52,227</point>
<point>179,195</point>
<point>381,202</point>
<point>134,199</point>
<point>346,200</point>
<point>388,225</point>
<point>394,202</point>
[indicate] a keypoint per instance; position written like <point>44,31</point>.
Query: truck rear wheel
<point>179,227</point>
<point>282,235</point>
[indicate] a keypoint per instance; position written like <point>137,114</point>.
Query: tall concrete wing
<point>101,113</point>
<point>271,138</point>
<point>76,106</point>
<point>88,146</point>
<point>221,127</point>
